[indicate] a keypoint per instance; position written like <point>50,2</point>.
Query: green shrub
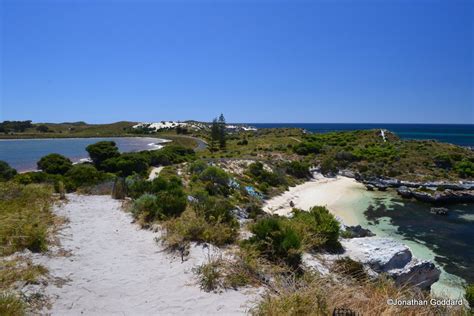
<point>25,216</point>
<point>54,164</point>
<point>193,226</point>
<point>257,171</point>
<point>145,208</point>
<point>297,169</point>
<point>6,172</point>
<point>209,275</point>
<point>172,202</point>
<point>126,164</point>
<point>276,241</point>
<point>465,169</point>
<point>168,155</point>
<point>306,148</point>
<point>214,209</point>
<point>317,228</point>
<point>11,305</point>
<point>470,295</point>
<point>83,174</point>
<point>102,151</point>
<point>216,180</point>
<point>197,166</point>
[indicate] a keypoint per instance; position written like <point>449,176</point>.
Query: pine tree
<point>214,134</point>
<point>222,132</point>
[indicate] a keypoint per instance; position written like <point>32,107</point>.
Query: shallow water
<point>445,240</point>
<point>22,154</point>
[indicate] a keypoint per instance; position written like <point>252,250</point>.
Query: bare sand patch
<point>337,194</point>
<point>117,268</point>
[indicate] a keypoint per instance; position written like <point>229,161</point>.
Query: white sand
<point>155,172</point>
<point>117,268</point>
<point>337,194</point>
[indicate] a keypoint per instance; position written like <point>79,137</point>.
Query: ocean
<point>22,154</point>
<point>458,134</point>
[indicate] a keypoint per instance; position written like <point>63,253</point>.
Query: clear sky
<point>381,61</point>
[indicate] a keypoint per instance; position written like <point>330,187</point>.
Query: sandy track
<point>116,268</point>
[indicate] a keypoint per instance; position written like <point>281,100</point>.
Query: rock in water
<point>439,210</point>
<point>358,231</point>
<point>385,255</point>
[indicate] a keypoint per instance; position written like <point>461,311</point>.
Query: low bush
<point>297,169</point>
<point>11,305</point>
<point>102,151</point>
<point>469,296</point>
<point>25,216</point>
<point>54,164</point>
<point>265,177</point>
<point>317,228</point>
<point>465,169</point>
<point>191,226</point>
<point>276,241</point>
<point>6,172</point>
<point>126,164</point>
<point>145,208</point>
<point>82,175</point>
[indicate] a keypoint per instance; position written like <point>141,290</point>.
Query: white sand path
<point>117,268</point>
<point>155,172</point>
<point>337,194</point>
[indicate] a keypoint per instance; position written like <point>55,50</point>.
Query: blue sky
<point>255,61</point>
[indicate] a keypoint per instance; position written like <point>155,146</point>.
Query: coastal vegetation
<point>25,222</point>
<point>215,196</point>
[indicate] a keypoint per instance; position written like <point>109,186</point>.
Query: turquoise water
<point>444,240</point>
<point>22,154</point>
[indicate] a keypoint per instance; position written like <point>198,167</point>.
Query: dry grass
<point>315,295</point>
<point>25,217</point>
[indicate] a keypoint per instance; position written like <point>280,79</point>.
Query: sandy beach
<point>337,194</point>
<point>116,268</point>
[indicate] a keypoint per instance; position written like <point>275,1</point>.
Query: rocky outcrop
<point>358,232</point>
<point>446,196</point>
<point>385,255</point>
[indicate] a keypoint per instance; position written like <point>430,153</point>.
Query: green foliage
<point>101,151</point>
<point>54,164</point>
<point>14,126</point>
<point>215,209</point>
<point>276,241</point>
<point>328,166</point>
<point>168,155</point>
<point>297,169</point>
<point>465,168</point>
<point>25,216</point>
<point>82,175</point>
<point>258,172</point>
<point>317,228</point>
<point>215,180</point>
<point>126,164</point>
<point>11,305</point>
<point>197,166</point>
<point>209,275</point>
<point>6,172</point>
<point>306,148</point>
<point>193,226</point>
<point>42,128</point>
<point>171,202</point>
<point>470,295</point>
<point>145,208</point>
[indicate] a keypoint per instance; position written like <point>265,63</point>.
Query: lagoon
<point>22,154</point>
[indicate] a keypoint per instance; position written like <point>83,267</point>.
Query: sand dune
<point>116,268</point>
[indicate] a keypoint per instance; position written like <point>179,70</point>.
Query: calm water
<point>22,154</point>
<point>462,134</point>
<point>449,237</point>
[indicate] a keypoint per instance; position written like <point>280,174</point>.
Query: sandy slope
<point>337,194</point>
<point>116,268</point>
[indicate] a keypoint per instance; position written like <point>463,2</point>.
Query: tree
<point>42,128</point>
<point>215,133</point>
<point>6,172</point>
<point>222,131</point>
<point>83,174</point>
<point>101,151</point>
<point>54,164</point>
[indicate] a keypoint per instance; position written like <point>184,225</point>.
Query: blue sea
<point>458,134</point>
